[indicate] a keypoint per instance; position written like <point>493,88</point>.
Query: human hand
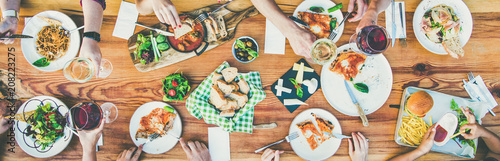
<point>131,154</point>
<point>271,155</point>
<point>476,131</point>
<point>370,18</point>
<point>468,113</point>
<point>89,138</point>
<point>4,125</point>
<point>195,151</point>
<point>91,50</point>
<point>358,147</point>
<point>8,27</point>
<point>301,42</point>
<point>427,140</point>
<point>362,7</point>
<point>166,12</point>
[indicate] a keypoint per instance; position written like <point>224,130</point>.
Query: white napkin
<point>478,91</point>
<point>125,23</point>
<point>218,144</point>
<point>275,40</point>
<point>400,31</point>
<point>100,142</point>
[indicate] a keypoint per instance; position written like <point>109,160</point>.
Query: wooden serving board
<point>171,56</point>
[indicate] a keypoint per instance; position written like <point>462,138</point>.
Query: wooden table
<point>128,88</point>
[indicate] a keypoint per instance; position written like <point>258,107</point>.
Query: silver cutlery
<point>265,126</point>
<point>203,16</point>
<point>152,137</point>
<point>402,40</point>
<point>355,101</point>
<point>477,91</point>
<point>17,37</point>
<point>288,138</point>
<point>334,33</point>
<point>339,136</point>
<point>299,22</point>
<point>175,136</point>
<point>394,28</point>
<point>166,33</point>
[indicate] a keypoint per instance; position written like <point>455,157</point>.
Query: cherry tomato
<point>174,83</point>
<point>171,92</point>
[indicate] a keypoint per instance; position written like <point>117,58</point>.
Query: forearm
<point>492,141</point>
<point>89,154</point>
<point>10,5</point>
<point>271,11</point>
<point>410,156</point>
<point>92,16</point>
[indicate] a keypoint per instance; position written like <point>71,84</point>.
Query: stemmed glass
<point>323,51</point>
<point>370,40</point>
<point>81,69</point>
<point>88,115</point>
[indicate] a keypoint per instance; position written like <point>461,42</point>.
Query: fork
<point>151,138</point>
<point>471,77</point>
<point>333,34</point>
<point>203,16</point>
<point>288,138</point>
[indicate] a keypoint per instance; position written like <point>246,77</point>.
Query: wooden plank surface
<point>128,88</point>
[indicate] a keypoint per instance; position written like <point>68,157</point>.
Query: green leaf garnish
<point>361,87</point>
<point>240,44</point>
<point>42,62</point>
<point>317,9</point>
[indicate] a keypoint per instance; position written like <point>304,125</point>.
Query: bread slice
<point>50,20</point>
<point>21,116</point>
<point>244,88</point>
<point>231,105</point>
<point>241,98</point>
<point>217,97</point>
<point>216,77</point>
<point>229,74</point>
<point>453,47</point>
<point>225,87</point>
<point>227,113</point>
<point>183,30</point>
<point>236,86</point>
<point>211,33</point>
<point>222,26</point>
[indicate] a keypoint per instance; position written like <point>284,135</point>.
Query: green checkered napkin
<point>197,103</point>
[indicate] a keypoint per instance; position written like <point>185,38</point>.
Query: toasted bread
<point>217,97</point>
<point>216,77</point>
<point>50,20</point>
<point>453,47</point>
<point>225,87</point>
<point>229,74</point>
<point>231,105</point>
<point>221,25</point>
<point>244,88</point>
<point>227,113</point>
<point>211,33</point>
<point>241,98</point>
<point>183,30</point>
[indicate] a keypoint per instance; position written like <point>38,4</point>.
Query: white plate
<point>300,145</point>
<point>376,74</point>
<point>27,146</point>
<point>161,144</point>
<point>35,25</point>
<point>326,4</point>
<point>462,13</point>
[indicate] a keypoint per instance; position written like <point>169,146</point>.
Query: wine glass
<point>88,115</point>
<point>370,40</point>
<point>323,51</point>
<point>81,69</point>
<point>110,112</point>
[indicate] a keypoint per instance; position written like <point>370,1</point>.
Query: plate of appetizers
<point>316,13</point>
<point>155,117</point>
<point>443,27</point>
<point>314,141</point>
<point>369,77</point>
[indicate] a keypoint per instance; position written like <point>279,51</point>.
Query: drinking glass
<point>323,51</point>
<point>370,40</point>
<point>88,115</point>
<point>81,69</point>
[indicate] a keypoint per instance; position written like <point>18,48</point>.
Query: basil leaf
<point>293,81</point>
<point>317,9</point>
<point>361,87</point>
<point>42,62</point>
<point>240,44</point>
<point>252,52</point>
<point>300,93</point>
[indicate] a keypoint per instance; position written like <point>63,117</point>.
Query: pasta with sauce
<point>52,42</point>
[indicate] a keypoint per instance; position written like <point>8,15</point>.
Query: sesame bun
<point>419,103</point>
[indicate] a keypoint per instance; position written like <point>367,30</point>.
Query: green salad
<point>150,48</point>
<point>175,86</point>
<point>46,125</point>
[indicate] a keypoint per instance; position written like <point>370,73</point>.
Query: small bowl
<point>234,50</point>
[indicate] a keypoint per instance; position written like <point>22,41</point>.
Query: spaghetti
<point>52,42</point>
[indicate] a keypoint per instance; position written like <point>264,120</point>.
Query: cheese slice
<point>300,74</point>
<point>279,88</point>
<point>306,69</point>
<point>288,102</point>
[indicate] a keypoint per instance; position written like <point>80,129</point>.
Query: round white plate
<point>27,143</point>
<point>35,25</point>
<point>163,143</point>
<point>462,13</point>
<point>326,4</point>
<point>376,74</point>
<point>300,145</point>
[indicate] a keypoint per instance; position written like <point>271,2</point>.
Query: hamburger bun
<point>419,103</point>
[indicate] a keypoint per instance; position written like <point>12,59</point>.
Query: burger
<point>418,104</point>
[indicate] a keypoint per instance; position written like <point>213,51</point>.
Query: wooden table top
<point>128,88</point>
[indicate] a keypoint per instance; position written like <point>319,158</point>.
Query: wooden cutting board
<point>171,56</point>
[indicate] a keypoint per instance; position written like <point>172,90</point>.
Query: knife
<point>17,37</point>
<point>156,30</point>
<point>298,21</point>
<point>394,27</point>
<point>360,110</point>
<point>265,126</point>
<point>339,136</point>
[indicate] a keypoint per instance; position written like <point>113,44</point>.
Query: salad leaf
<point>361,87</point>
<point>240,44</point>
<point>333,23</point>
<point>317,9</point>
<point>252,52</point>
<point>42,62</point>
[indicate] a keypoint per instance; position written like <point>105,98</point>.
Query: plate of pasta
<point>52,44</point>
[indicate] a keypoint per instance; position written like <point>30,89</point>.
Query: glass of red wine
<point>370,40</point>
<point>88,115</point>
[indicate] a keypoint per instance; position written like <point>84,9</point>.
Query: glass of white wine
<point>323,51</point>
<point>81,69</point>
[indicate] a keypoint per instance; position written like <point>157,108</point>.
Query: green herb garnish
<point>317,9</point>
<point>361,87</point>
<point>336,7</point>
<point>462,120</point>
<point>42,62</point>
<point>297,86</point>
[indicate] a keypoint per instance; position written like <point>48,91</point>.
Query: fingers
<point>361,146</point>
<point>363,141</point>
<point>277,155</point>
<point>350,7</point>
<point>159,14</point>
<point>121,154</point>
<point>267,155</point>
<point>185,147</point>
<point>129,152</point>
<point>192,146</point>
<point>351,150</point>
<point>137,153</point>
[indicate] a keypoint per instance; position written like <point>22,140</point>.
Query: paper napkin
<point>125,23</point>
<point>478,91</point>
<point>275,40</point>
<point>100,142</point>
<point>218,144</point>
<point>400,30</point>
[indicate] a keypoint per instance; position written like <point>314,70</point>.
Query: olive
<point>240,53</point>
<point>236,47</point>
<point>250,57</point>
<point>249,44</point>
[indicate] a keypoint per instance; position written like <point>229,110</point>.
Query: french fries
<point>412,130</point>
